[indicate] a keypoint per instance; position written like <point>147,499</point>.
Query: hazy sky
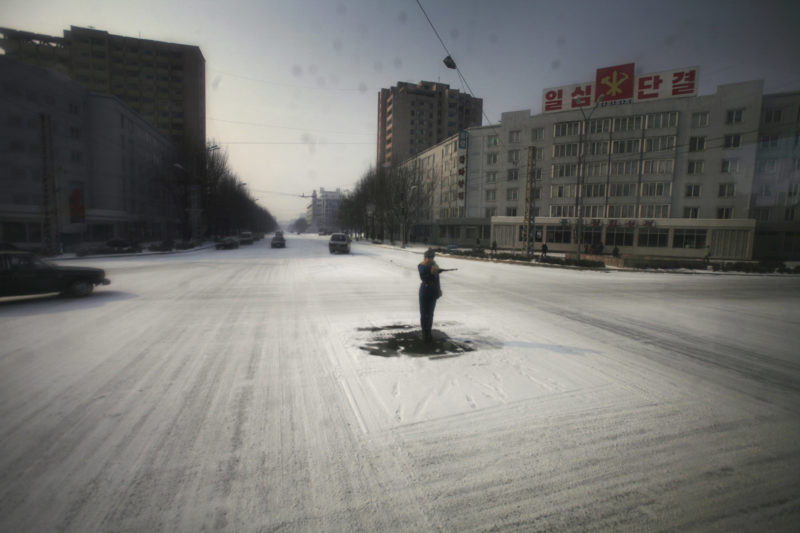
<point>292,85</point>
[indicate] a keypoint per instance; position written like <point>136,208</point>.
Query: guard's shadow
<point>402,339</point>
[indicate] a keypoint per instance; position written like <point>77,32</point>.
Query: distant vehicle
<point>245,237</point>
<point>228,243</point>
<point>339,243</point>
<point>114,246</point>
<point>278,240</point>
<point>23,273</point>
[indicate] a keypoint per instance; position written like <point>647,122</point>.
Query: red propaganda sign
<point>618,85</point>
<point>615,83</point>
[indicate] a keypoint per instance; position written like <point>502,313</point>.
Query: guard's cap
<point>430,253</point>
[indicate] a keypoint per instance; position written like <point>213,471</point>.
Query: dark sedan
<point>23,273</point>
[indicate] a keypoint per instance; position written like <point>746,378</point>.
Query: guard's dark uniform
<point>429,291</point>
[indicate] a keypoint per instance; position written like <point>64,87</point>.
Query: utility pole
<point>530,214</point>
<point>579,181</point>
<point>49,190</point>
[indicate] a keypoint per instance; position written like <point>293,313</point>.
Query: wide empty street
<point>264,389</point>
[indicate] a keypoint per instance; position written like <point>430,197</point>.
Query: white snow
<point>229,390</point>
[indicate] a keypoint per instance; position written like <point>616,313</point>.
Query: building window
<point>595,190</point>
<point>491,158</point>
<point>491,140</point>
<point>491,195</point>
<point>692,190</point>
<point>559,234</point>
<point>653,237</point>
<point>696,166</point>
<point>562,211</point>
<point>512,194</point>
<point>513,156</point>
<point>658,166</point>
<point>563,129</point>
<point>624,168</point>
<point>772,115</point>
<point>689,238</point>
<point>659,144</point>
<point>626,146</point>
<point>724,212</point>
<point>596,169</point>
<point>538,153</point>
<point>565,170</point>
<point>733,116</point>
<point>700,119</point>
<point>628,123</point>
<point>727,190</point>
<point>691,212</point>
<point>767,166</point>
<point>697,144</point>
<point>622,189</point>
<point>657,188</point>
<point>562,191</point>
<point>537,134</point>
<point>491,177</point>
<point>622,211</point>
<point>730,166</point>
<point>565,150</point>
<point>513,174</point>
<point>597,148</point>
<point>768,141</point>
<point>655,211</point>
<point>490,212</point>
<point>667,119</point>
<point>619,236</point>
<point>513,136</point>
<point>600,125</point>
<point>511,211</point>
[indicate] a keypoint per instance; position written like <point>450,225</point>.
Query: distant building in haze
<point>414,117</point>
<point>322,213</point>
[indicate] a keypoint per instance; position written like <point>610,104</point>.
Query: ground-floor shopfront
<point>730,239</point>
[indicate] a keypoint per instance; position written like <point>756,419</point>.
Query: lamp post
<point>580,176</point>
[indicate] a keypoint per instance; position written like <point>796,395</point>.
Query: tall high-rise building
<point>412,118</point>
<point>162,82</point>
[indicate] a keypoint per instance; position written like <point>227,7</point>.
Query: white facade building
<point>657,178</point>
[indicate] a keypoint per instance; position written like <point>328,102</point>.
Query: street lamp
<point>580,177</point>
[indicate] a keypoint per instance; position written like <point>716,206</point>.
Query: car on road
<point>113,246</point>
<point>23,273</point>
<point>278,240</point>
<point>227,243</point>
<point>339,243</point>
<point>245,237</point>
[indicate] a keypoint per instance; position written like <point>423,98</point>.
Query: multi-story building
<point>775,202</point>
<point>649,176</point>
<point>414,117</point>
<point>322,213</point>
<point>162,82</point>
<point>79,166</point>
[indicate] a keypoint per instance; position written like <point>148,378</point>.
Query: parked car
<point>23,273</point>
<point>339,243</point>
<point>278,240</point>
<point>227,243</point>
<point>114,246</point>
<point>245,237</point>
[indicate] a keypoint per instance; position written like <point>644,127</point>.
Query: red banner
<point>615,83</point>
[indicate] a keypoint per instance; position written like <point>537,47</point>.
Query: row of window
<point>667,119</point>
<point>618,190</point>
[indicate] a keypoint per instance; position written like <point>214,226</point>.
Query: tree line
<point>388,203</point>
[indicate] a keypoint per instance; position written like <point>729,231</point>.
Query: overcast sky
<point>292,85</point>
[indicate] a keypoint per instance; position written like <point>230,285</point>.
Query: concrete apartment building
<point>655,177</point>
<point>78,166</point>
<point>162,82</point>
<point>414,117</point>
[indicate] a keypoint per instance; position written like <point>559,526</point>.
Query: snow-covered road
<point>235,391</point>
